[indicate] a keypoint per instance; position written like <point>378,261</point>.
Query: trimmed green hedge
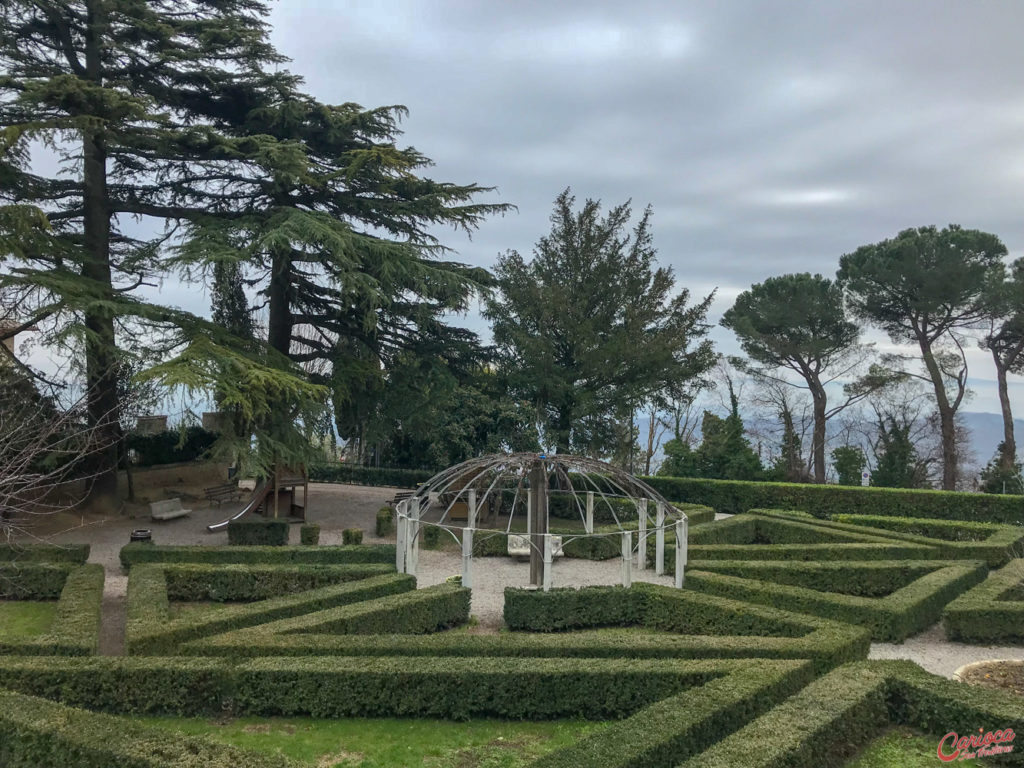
<point>993,543</point>
<point>258,532</point>
<point>674,728</point>
<point>735,496</point>
<point>992,612</point>
<point>455,688</point>
<point>892,618</point>
<point>826,643</point>
<point>747,629</point>
<point>197,582</point>
<point>76,624</point>
<point>385,522</point>
<point>35,732</point>
<point>135,554</point>
<point>150,631</point>
<point>407,613</point>
<point>824,724</point>
<point>355,474</point>
<point>76,554</point>
<point>352,536</point>
<point>309,534</point>
<point>33,581</point>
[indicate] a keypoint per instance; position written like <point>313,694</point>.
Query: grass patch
<point>24,619</point>
<point>905,748</point>
<point>389,742</point>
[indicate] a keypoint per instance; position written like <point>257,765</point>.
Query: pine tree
<point>132,95</point>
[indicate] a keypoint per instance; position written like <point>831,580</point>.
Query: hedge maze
<point>759,662</point>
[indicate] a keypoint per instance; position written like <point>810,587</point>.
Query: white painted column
<point>400,536</point>
<point>589,525</point>
<point>413,558</point>
<point>681,531</point>
<point>467,558</point>
<point>529,514</point>
<point>641,549</point>
<point>548,557</point>
<point>627,558</point>
<point>471,508</point>
<point>659,541</point>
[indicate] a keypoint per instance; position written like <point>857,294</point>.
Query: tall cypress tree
<point>135,97</point>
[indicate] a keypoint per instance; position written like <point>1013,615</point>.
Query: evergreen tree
<point>896,459</point>
<point>680,460</point>
<point>789,467</point>
<point>590,328</point>
<point>228,303</point>
<point>924,287</point>
<point>1004,339</point>
<point>997,477</point>
<point>849,461</point>
<point>133,95</point>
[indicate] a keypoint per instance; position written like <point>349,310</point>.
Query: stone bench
<point>519,545</point>
<point>167,510</point>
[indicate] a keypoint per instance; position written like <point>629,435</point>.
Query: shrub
<point>431,536</point>
<point>171,446</point>
<point>385,522</point>
<point>736,496</point>
<point>258,532</point>
<point>149,630</point>
<point>135,554</point>
<point>992,612</point>
<point>560,609</point>
<point>44,553</point>
<point>36,732</point>
<point>406,613</point>
<point>75,627</point>
<point>309,534</point>
<point>33,581</point>
<point>825,643</point>
<point>192,582</point>
<point>891,618</point>
<point>352,536</point>
<point>455,688</point>
<point>358,475</point>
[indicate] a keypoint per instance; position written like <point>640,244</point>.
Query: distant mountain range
<point>986,430</point>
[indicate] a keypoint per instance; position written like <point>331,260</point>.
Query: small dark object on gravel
<point>143,535</point>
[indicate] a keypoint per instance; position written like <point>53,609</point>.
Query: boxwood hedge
<point>35,732</point>
<point>258,532</point>
<point>992,612</point>
<point>835,716</point>
<point>149,630</point>
<point>75,627</point>
<point>891,618</point>
<point>33,581</point>
<point>192,582</point>
<point>134,554</point>
<point>45,553</point>
<point>736,496</point>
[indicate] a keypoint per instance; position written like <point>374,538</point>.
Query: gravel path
<point>936,654</point>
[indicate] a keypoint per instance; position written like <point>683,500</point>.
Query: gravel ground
<point>336,507</point>
<point>936,654</point>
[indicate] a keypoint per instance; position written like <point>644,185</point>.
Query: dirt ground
<point>333,507</point>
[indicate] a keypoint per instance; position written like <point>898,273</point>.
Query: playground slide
<point>259,493</point>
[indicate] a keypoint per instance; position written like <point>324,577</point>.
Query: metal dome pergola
<point>518,483</point>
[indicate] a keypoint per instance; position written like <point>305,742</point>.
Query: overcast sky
<point>769,137</point>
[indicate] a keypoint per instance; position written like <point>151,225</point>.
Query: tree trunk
<point>947,418</point>
<point>279,322</point>
<point>820,400</point>
<point>100,343</point>
<point>1008,455</point>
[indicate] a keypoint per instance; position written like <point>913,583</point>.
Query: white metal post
<point>641,548</point>
<point>467,558</point>
<point>627,558</point>
<point>400,536</point>
<point>529,514</point>
<point>547,561</point>
<point>413,558</point>
<point>659,541</point>
<point>589,526</point>
<point>471,508</point>
<point>681,530</point>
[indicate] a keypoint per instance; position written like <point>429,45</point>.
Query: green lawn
<point>24,619</point>
<point>390,743</point>
<point>905,748</point>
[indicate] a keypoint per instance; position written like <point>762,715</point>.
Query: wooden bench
<point>401,496</point>
<point>167,510</point>
<point>222,493</point>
